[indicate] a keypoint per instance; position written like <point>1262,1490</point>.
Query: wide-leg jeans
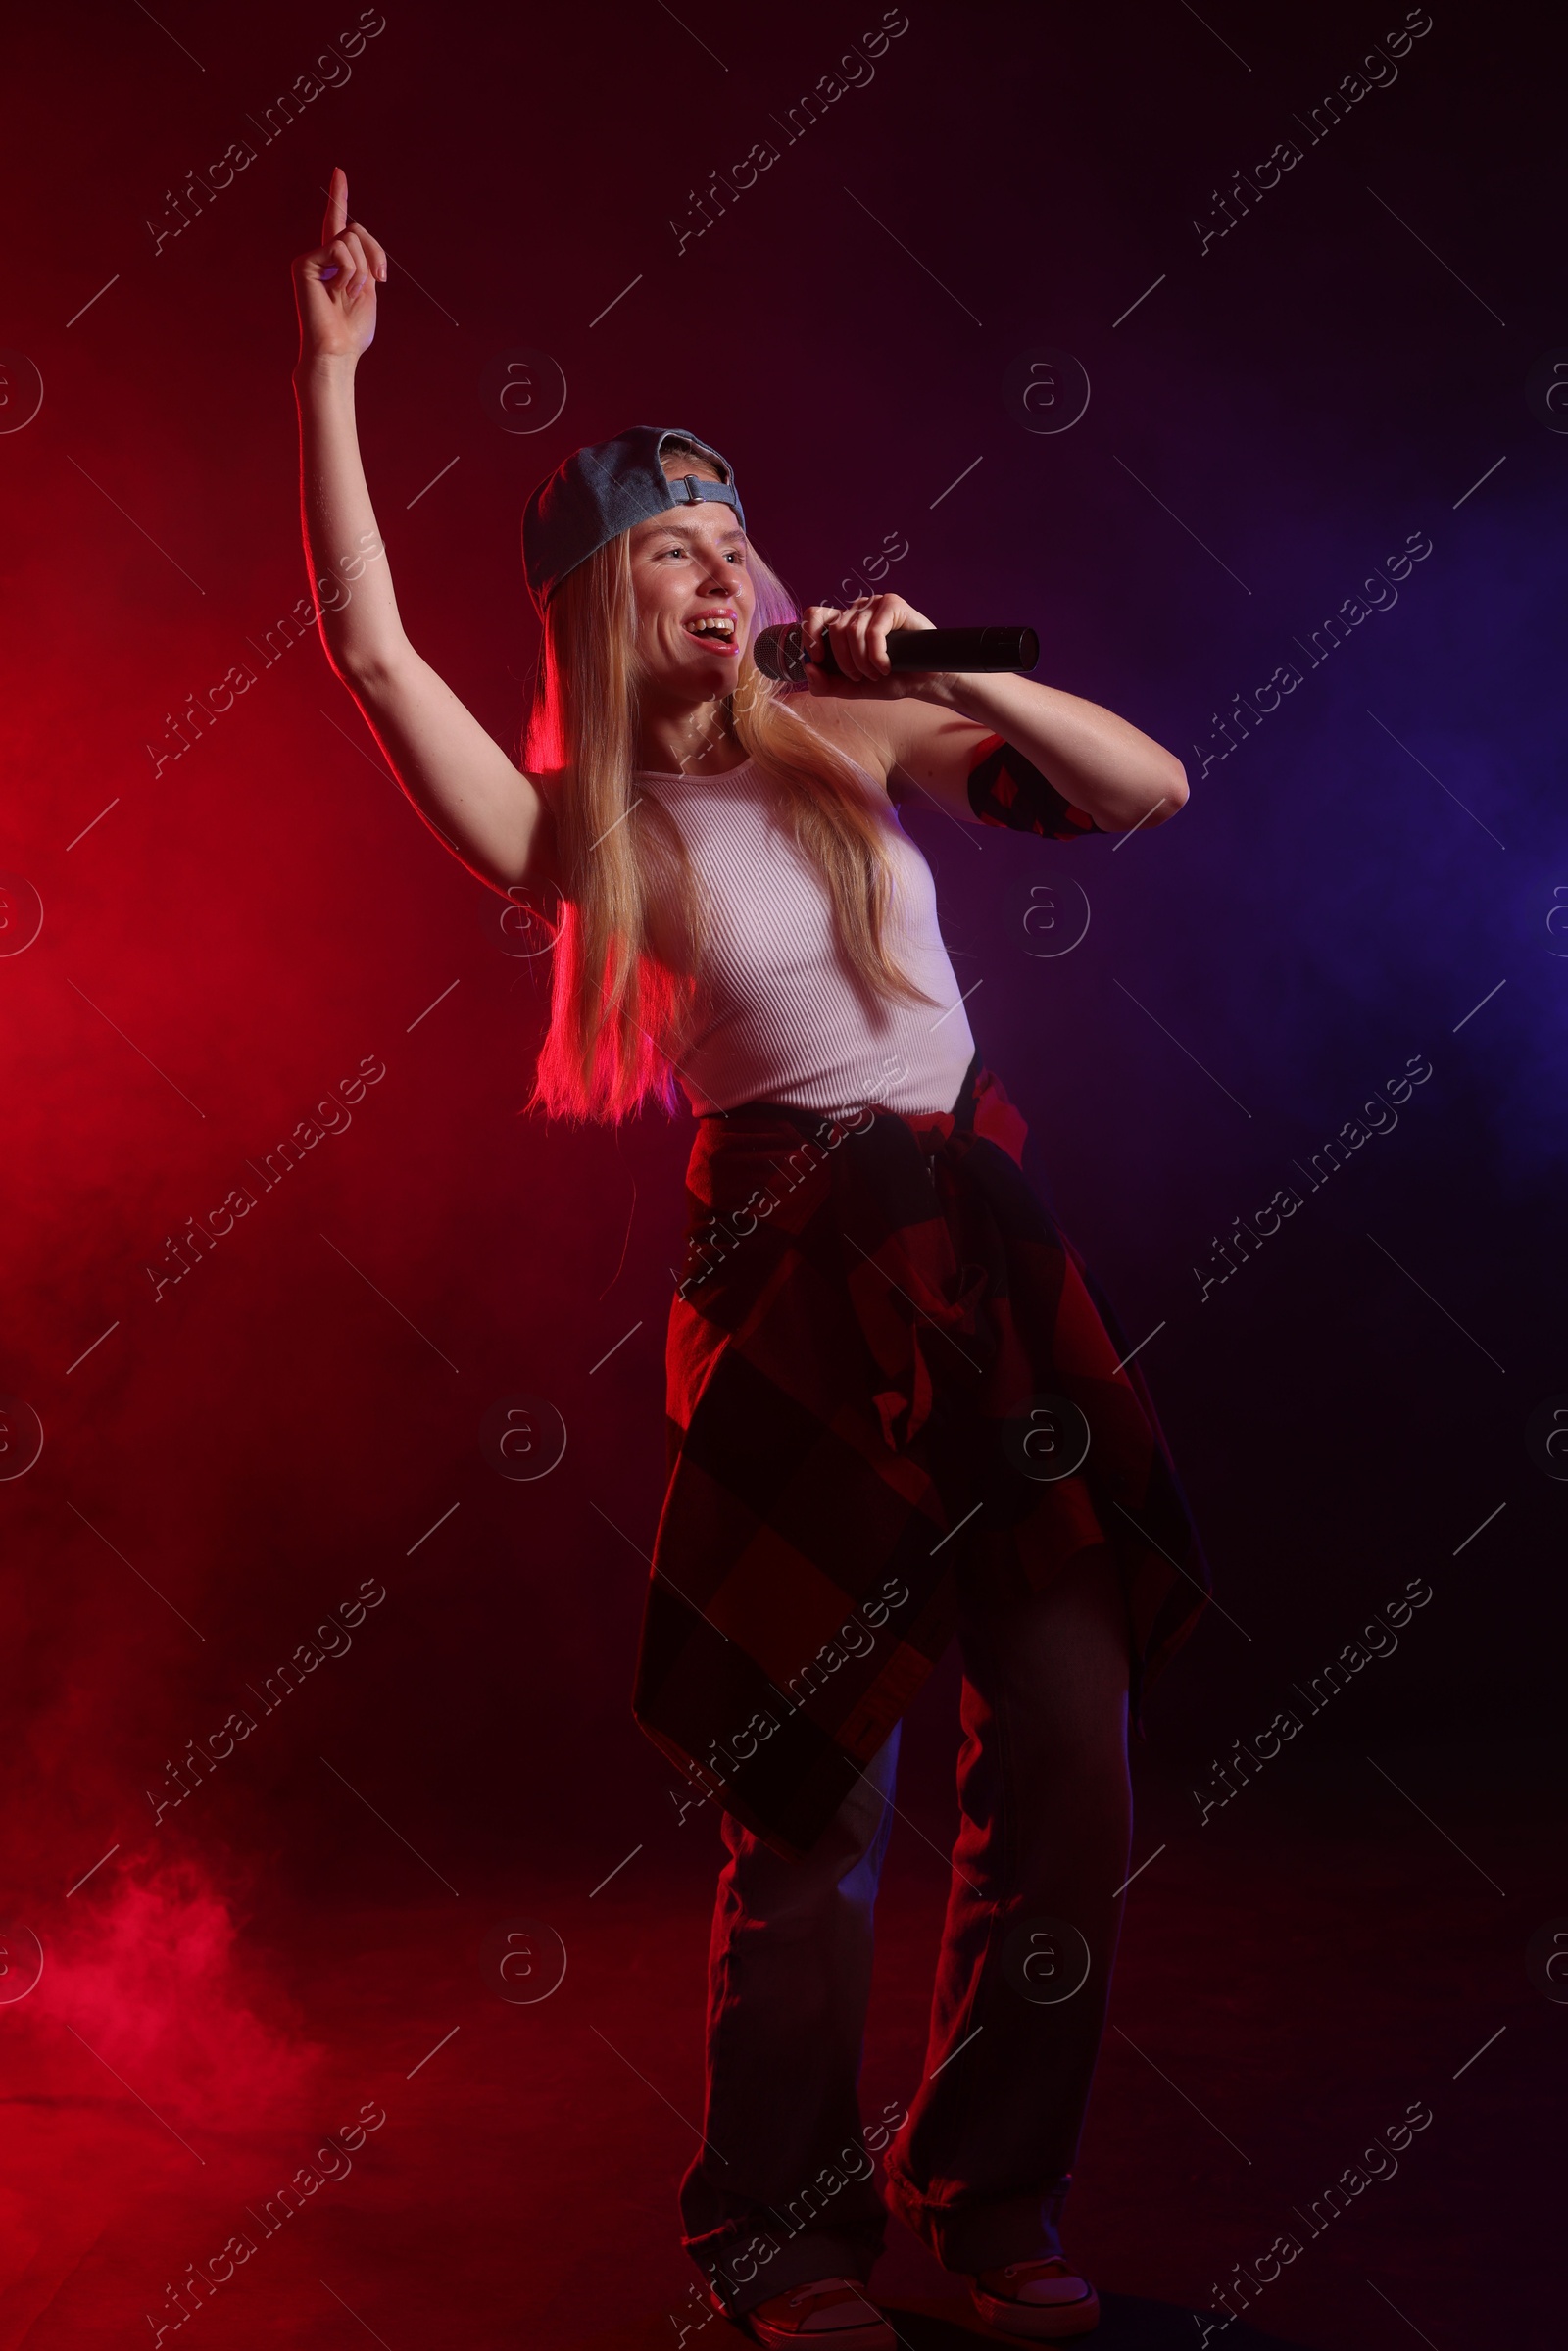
<point>782,2189</point>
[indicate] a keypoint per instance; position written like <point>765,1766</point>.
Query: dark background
<point>225,936</point>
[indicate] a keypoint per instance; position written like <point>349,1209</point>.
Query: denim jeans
<point>782,2190</point>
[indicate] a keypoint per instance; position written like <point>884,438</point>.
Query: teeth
<point>712,628</point>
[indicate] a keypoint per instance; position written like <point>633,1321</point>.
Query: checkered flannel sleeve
<point>1005,790</point>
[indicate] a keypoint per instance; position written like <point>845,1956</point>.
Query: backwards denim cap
<point>601,491</point>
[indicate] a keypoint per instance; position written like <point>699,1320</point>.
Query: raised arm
<point>488,813</point>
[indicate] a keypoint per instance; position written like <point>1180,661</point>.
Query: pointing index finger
<point>338,205</point>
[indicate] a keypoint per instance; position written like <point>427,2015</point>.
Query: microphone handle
<point>974,649</point>
<point>780,653</point>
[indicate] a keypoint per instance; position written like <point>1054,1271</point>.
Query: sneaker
<point>1043,2301</point>
<point>831,2314</point>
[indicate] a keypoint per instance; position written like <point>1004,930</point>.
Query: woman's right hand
<point>334,286</point>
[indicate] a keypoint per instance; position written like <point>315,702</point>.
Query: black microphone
<point>780,653</point>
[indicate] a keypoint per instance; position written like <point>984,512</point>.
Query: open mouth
<point>713,628</point>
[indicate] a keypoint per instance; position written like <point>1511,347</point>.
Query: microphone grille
<point>779,652</point>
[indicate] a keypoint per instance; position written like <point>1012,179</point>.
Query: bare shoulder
<point>857,729</point>
<point>908,745</point>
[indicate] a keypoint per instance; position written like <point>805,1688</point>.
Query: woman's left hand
<point>857,635</point>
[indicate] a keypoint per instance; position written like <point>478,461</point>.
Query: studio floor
<point>1288,1985</point>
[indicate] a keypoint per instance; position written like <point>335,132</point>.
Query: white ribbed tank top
<point>784,1016</point>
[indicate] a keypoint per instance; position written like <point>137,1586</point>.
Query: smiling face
<point>695,599</point>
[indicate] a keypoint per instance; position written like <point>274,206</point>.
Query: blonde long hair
<point>620,1015</point>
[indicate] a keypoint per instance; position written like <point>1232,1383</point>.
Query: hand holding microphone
<point>882,647</point>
